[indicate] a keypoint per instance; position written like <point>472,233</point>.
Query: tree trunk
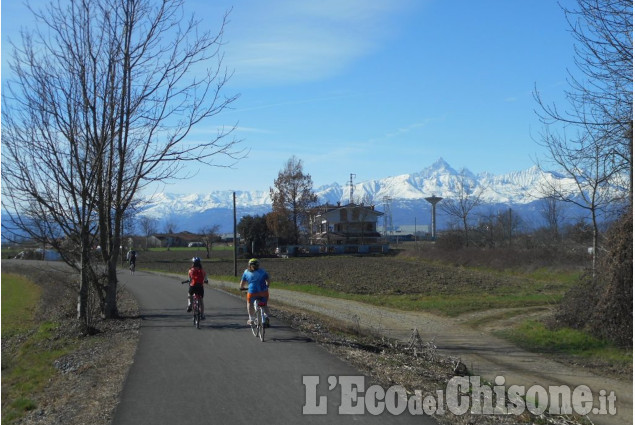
<point>84,284</point>
<point>466,231</point>
<point>110,303</point>
<point>595,242</point>
<point>83,311</point>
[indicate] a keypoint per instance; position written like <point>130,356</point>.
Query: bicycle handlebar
<point>188,281</point>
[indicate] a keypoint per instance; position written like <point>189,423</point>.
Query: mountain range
<point>402,196</point>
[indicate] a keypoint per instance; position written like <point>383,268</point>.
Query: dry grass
<point>415,365</point>
<point>90,372</point>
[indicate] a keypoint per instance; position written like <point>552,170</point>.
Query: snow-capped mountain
<point>442,180</point>
<point>405,194</point>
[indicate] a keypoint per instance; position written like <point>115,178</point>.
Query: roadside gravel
<point>484,354</point>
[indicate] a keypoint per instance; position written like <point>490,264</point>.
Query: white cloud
<point>290,41</point>
<point>252,130</point>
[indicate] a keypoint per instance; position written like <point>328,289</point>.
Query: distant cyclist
<point>132,258</point>
<point>197,278</point>
<point>256,280</point>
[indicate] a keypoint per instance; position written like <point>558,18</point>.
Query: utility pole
<point>235,242</point>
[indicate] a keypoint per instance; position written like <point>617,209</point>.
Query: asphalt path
<point>222,374</point>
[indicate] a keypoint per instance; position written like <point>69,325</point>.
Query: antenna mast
<point>350,183</point>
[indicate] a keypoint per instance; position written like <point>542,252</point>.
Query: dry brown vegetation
<point>402,264</point>
<point>603,303</point>
<point>410,274</point>
<point>91,373</point>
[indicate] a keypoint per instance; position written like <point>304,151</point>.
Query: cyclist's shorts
<point>264,297</point>
<point>198,290</point>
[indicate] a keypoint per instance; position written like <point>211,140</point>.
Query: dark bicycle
<point>196,308</point>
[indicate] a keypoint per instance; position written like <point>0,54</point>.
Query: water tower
<point>434,200</point>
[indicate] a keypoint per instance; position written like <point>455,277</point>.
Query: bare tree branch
<point>467,197</point>
<point>105,98</point>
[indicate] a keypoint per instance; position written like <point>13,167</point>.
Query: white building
<point>348,224</point>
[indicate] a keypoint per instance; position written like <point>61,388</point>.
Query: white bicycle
<point>258,323</point>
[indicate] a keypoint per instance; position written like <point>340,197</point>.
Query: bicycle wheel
<point>254,322</point>
<point>261,324</point>
<point>197,313</point>
<point>254,327</point>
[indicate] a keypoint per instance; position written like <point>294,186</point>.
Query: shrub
<point>604,303</point>
<point>450,241</point>
<point>613,315</point>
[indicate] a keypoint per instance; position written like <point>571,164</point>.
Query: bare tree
<point>148,227</point>
<point>107,93</point>
<point>292,198</point>
<point>49,177</point>
<point>600,98</point>
<point>467,196</point>
<point>169,226</point>
<point>498,227</point>
<point>593,175</point>
<point>210,235</point>
<point>551,211</point>
<point>591,140</point>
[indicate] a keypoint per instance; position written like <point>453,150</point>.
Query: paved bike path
<point>221,373</point>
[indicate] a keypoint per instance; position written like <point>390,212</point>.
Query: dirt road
<point>484,354</point>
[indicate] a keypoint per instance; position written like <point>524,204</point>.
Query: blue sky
<point>378,87</point>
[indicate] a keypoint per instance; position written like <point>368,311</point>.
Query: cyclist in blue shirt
<point>256,280</point>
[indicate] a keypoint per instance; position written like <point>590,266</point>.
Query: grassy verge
<point>447,305</point>
<point>19,301</point>
<point>450,305</point>
<point>535,336</point>
<point>194,249</point>
<point>29,368</point>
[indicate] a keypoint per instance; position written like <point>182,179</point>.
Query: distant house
<point>347,224</point>
<point>153,242</point>
<point>169,240</point>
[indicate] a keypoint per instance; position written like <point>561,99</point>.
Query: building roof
<point>325,209</point>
